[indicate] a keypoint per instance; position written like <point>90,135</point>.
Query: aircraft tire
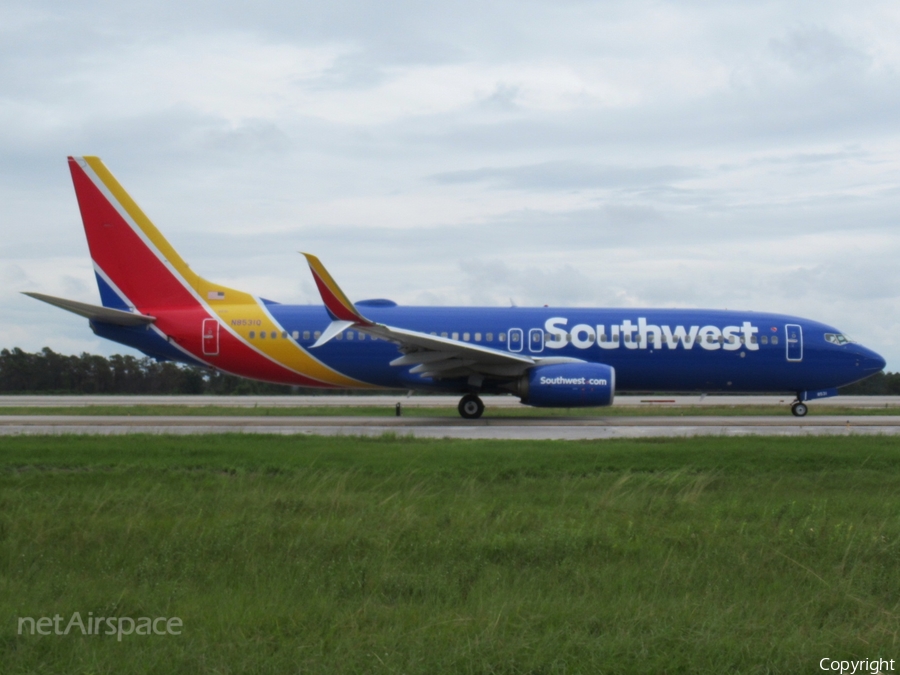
<point>470,407</point>
<point>799,409</point>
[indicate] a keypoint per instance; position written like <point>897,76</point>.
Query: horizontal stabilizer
<point>116,317</point>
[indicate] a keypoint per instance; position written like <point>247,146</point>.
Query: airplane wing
<point>95,312</point>
<point>430,355</point>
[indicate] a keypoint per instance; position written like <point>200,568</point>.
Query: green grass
<point>449,411</point>
<point>321,555</point>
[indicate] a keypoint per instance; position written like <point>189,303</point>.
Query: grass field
<point>341,555</point>
<point>448,411</point>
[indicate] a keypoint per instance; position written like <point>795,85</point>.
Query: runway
<point>533,428</point>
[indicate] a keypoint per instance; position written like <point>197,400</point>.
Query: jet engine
<point>568,385</point>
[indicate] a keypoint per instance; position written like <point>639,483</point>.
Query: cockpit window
<point>837,339</point>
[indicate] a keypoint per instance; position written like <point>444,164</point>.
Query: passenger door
<point>794,338</point>
<point>210,337</point>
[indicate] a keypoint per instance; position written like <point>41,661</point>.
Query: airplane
<point>548,357</point>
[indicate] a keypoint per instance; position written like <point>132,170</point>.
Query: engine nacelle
<point>568,385</point>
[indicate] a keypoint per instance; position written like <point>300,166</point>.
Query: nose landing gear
<point>799,409</point>
<point>470,407</point>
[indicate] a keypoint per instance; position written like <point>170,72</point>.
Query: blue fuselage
<point>653,349</point>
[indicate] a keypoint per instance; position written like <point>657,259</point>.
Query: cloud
<point>818,49</point>
<point>555,152</point>
<point>568,175</point>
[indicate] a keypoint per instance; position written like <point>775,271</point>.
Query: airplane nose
<point>869,361</point>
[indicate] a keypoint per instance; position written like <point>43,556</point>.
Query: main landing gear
<point>799,409</point>
<point>470,407</point>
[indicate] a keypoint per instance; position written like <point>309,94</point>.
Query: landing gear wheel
<point>799,409</point>
<point>470,407</point>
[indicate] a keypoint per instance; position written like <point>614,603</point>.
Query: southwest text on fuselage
<point>643,335</point>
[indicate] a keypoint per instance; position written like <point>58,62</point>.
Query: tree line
<point>46,372</point>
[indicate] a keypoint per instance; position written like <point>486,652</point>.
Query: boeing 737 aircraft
<point>551,357</point>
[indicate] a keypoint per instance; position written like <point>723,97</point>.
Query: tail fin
<point>136,267</point>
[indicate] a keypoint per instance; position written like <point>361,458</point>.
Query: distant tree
<point>879,384</point>
<point>47,372</point>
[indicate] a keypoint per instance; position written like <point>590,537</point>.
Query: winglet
<point>339,307</point>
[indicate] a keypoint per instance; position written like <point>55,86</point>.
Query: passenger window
<point>752,339</point>
<point>628,338</point>
<point>444,334</point>
<point>317,334</point>
<point>305,335</point>
<point>433,333</point>
<point>252,334</point>
<point>774,339</point>
<point>456,336</point>
<point>362,336</point>
<point>349,334</point>
<point>339,336</point>
<point>466,337</point>
<point>273,335</point>
<point>262,334</point>
<point>502,337</point>
<point>764,339</point>
<point>490,337</point>
<point>477,337</point>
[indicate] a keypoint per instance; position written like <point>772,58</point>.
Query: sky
<point>631,154</point>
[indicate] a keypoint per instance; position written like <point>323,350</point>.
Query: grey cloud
<point>854,279</point>
<point>254,137</point>
<point>568,175</point>
<point>503,98</point>
<point>818,49</point>
<point>486,281</point>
